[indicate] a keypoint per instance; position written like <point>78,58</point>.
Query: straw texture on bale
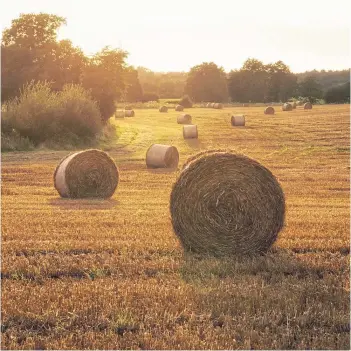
<point>287,107</point>
<point>163,109</point>
<point>179,108</point>
<point>307,106</point>
<point>190,132</point>
<point>129,113</point>
<point>224,204</point>
<point>86,174</point>
<point>269,110</point>
<point>238,120</point>
<point>162,156</point>
<point>184,119</point>
<point>218,105</point>
<point>119,113</point>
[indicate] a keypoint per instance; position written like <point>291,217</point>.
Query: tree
<point>104,76</point>
<point>310,88</point>
<point>338,94</point>
<point>133,92</point>
<point>207,82</point>
<point>30,51</point>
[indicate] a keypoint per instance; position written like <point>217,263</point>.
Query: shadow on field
<point>274,267</point>
<point>84,204</point>
<point>194,143</point>
<point>162,170</point>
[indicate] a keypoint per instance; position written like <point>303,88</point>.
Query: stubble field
<point>110,274</point>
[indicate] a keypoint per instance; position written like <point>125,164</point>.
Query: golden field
<point>111,274</point>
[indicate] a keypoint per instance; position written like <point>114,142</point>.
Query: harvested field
<point>111,274</point>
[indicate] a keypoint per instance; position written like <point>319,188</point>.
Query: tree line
<point>32,52</point>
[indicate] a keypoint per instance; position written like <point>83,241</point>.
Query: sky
<point>176,35</point>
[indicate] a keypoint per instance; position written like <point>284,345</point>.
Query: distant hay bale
<point>246,105</point>
<point>129,113</point>
<point>269,110</point>
<point>287,107</point>
<point>128,107</point>
<point>224,204</point>
<point>213,104</point>
<point>162,156</point>
<point>86,174</point>
<point>208,105</point>
<point>179,108</point>
<point>184,119</point>
<point>307,106</point>
<point>190,132</point>
<point>238,120</point>
<point>163,108</point>
<point>218,105</point>
<point>119,113</point>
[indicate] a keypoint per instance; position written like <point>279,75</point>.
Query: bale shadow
<point>273,267</point>
<point>194,143</point>
<point>84,204</point>
<point>162,170</point>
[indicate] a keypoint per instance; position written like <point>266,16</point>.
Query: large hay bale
<point>179,108</point>
<point>84,174</point>
<point>307,106</point>
<point>162,156</point>
<point>163,108</point>
<point>184,119</point>
<point>269,110</point>
<point>129,113</point>
<point>225,204</point>
<point>287,107</point>
<point>238,120</point>
<point>119,113</point>
<point>218,105</point>
<point>190,132</point>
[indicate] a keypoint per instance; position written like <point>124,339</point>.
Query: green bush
<point>186,101</point>
<point>44,116</point>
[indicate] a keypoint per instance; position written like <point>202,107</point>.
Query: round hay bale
<point>287,107</point>
<point>269,110</point>
<point>190,132</point>
<point>208,105</point>
<point>129,113</point>
<point>179,108</point>
<point>238,120</point>
<point>163,108</point>
<point>213,104</point>
<point>218,105</point>
<point>162,156</point>
<point>86,174</point>
<point>307,106</point>
<point>225,204</point>
<point>119,113</point>
<point>184,119</point>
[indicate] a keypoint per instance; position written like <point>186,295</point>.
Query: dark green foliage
<point>134,91</point>
<point>310,88</point>
<point>338,94</point>
<point>186,102</point>
<point>207,82</point>
<point>41,115</point>
<point>150,97</point>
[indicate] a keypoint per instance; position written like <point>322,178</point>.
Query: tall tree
<point>133,92</point>
<point>104,76</point>
<point>207,82</point>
